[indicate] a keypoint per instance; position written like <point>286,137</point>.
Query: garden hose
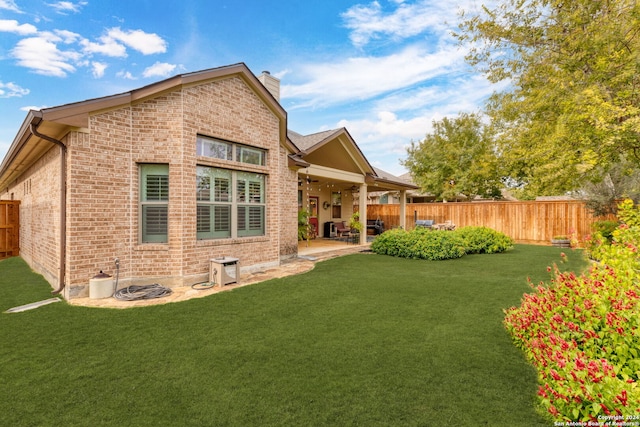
<point>133,292</point>
<point>202,286</point>
<point>206,285</point>
<point>115,285</point>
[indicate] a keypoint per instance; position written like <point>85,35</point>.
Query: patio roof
<point>332,156</point>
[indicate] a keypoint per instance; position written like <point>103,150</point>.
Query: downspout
<point>63,202</point>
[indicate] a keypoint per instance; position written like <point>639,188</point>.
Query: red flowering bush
<point>581,333</point>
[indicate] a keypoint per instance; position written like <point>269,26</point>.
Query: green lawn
<point>363,340</point>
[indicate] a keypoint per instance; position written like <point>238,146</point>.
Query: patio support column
<point>403,209</point>
<point>363,213</point>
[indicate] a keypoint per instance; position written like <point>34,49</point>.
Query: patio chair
<point>426,223</point>
<point>342,229</point>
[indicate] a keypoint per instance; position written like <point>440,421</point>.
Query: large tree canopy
<point>457,158</point>
<point>573,106</point>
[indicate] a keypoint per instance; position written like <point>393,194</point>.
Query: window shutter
<point>154,203</point>
<point>255,218</point>
<point>222,189</point>
<point>255,192</point>
<point>203,219</point>
<point>222,218</point>
<point>157,187</point>
<point>155,220</point>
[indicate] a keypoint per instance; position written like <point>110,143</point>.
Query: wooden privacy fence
<point>9,228</point>
<point>534,221</point>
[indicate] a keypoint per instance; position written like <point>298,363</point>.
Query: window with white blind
<point>154,203</point>
<point>229,203</point>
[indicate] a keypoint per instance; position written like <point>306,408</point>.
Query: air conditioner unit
<point>224,270</point>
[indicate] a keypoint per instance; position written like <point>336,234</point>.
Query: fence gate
<point>9,228</point>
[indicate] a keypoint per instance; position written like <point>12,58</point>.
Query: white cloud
<point>98,69</point>
<point>63,7</point>
<point>388,130</point>
<point>384,139</point>
<point>425,79</point>
<point>114,43</point>
<point>10,5</point>
<point>11,90</point>
<point>125,75</point>
<point>33,107</point>
<point>367,77</point>
<point>43,56</point>
<point>281,74</point>
<point>159,69</point>
<point>369,22</point>
<point>66,36</point>
<point>107,46</point>
<point>463,92</point>
<point>421,106</point>
<point>42,53</point>
<point>396,120</point>
<point>145,43</point>
<point>12,26</point>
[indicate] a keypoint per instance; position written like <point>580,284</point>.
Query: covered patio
<point>335,180</point>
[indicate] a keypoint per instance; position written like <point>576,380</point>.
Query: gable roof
<point>306,142</point>
<point>332,148</point>
<point>337,149</point>
<point>56,122</point>
<point>77,113</point>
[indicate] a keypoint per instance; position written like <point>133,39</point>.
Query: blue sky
<point>383,69</point>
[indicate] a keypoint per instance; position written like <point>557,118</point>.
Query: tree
<point>572,108</point>
<point>621,181</point>
<point>457,158</point>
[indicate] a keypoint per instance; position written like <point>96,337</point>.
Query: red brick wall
<point>103,184</point>
<point>39,195</point>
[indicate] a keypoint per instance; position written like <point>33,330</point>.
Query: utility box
<point>101,286</point>
<point>224,270</point>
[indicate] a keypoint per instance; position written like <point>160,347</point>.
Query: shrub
<point>605,228</point>
<point>435,245</point>
<point>304,227</point>
<point>478,240</point>
<point>581,333</point>
<point>391,242</point>
<point>601,236</point>
<point>419,243</point>
<point>621,254</point>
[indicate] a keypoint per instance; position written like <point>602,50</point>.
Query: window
<point>154,203</point>
<point>253,156</point>
<point>220,193</point>
<point>214,148</point>
<point>336,205</point>
<point>213,195</point>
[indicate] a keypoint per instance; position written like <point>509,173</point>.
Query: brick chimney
<point>271,83</point>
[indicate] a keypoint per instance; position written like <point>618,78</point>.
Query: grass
<point>360,340</point>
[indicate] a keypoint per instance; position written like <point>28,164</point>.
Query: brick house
<point>170,175</point>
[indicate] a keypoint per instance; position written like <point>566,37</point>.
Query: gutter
<point>63,197</point>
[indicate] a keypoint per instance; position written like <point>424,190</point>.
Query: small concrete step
<point>32,305</point>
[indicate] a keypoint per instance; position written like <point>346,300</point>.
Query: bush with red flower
<point>582,332</point>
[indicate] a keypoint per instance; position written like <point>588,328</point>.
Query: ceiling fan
<point>308,180</point>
